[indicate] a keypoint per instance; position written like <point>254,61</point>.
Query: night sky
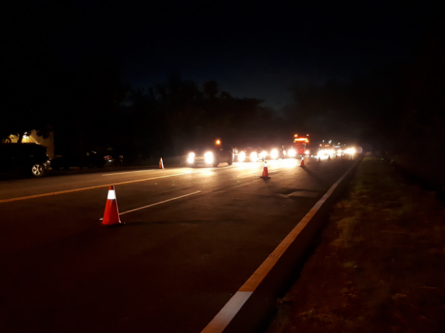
<point>251,48</point>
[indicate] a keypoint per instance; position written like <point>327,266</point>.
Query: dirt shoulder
<point>380,266</point>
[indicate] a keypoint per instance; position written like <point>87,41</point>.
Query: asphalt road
<point>170,268</point>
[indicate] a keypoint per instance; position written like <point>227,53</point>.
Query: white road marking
<point>120,173</point>
<point>234,305</point>
<point>158,203</point>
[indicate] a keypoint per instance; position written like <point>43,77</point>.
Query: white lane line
<point>158,203</point>
<point>120,173</point>
<point>234,305</point>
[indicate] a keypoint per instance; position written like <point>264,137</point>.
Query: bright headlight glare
<point>274,153</point>
<point>191,158</point>
<point>208,157</point>
<point>292,152</point>
<point>253,156</point>
<point>242,156</point>
<point>306,152</point>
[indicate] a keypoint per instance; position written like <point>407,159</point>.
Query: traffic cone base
<point>161,164</point>
<point>111,214</point>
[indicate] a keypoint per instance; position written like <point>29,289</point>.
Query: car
<point>249,154</point>
<point>206,155</point>
<point>28,158</point>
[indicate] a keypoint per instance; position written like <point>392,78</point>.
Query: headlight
<point>191,158</point>
<point>263,154</point>
<point>274,153</point>
<point>321,153</point>
<point>253,156</point>
<point>241,156</point>
<point>208,157</point>
<point>292,152</point>
<point>306,152</point>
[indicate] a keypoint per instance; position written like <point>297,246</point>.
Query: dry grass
<point>381,265</point>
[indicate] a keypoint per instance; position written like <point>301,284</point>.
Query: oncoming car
<point>209,155</point>
<point>249,154</point>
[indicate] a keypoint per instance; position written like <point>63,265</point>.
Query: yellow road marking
<point>98,186</point>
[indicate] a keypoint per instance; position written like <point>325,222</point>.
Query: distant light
<point>191,158</point>
<point>218,142</point>
<point>208,157</point>
<point>274,153</point>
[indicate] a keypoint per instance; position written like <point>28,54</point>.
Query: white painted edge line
<point>158,203</point>
<point>121,173</point>
<point>227,312</point>
<point>231,308</point>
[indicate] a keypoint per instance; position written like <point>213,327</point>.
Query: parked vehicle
<point>28,158</point>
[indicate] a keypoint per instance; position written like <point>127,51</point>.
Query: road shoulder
<point>379,267</point>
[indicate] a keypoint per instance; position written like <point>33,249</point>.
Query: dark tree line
<point>89,108</point>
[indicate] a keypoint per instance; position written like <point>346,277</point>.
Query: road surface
<point>170,268</point>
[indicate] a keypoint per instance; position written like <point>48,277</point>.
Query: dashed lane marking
<point>121,173</point>
<point>158,203</point>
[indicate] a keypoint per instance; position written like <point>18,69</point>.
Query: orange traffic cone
<point>319,159</point>
<point>329,157</point>
<point>161,164</point>
<point>302,162</point>
<point>265,174</point>
<point>111,214</point>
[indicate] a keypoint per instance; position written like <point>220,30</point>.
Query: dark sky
<point>251,48</point>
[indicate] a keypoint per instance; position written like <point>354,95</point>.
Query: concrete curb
<point>250,307</point>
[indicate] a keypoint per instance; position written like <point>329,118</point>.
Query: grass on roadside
<point>380,266</point>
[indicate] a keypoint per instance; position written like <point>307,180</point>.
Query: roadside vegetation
<point>380,266</point>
